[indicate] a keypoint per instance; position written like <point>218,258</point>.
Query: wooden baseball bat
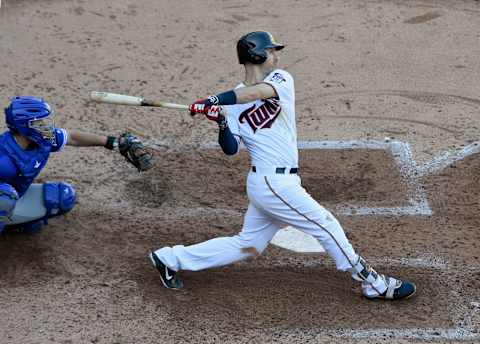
<point>121,99</point>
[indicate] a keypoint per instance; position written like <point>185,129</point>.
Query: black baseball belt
<point>281,170</point>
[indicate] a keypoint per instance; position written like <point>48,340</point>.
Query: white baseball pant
<point>276,200</point>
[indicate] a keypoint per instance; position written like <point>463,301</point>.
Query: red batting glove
<point>211,112</point>
<point>209,102</point>
<point>196,108</point>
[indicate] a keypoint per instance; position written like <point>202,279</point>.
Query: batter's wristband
<point>227,98</point>
<point>111,142</point>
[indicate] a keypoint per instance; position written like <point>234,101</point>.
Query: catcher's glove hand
<point>133,150</point>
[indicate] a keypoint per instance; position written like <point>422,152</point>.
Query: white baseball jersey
<point>267,127</point>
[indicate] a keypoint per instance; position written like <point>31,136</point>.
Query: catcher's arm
<point>79,139</point>
<point>129,146</point>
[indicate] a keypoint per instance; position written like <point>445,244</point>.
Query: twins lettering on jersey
<point>263,116</point>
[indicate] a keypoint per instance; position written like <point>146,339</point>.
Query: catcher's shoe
<point>169,277</point>
<point>396,290</point>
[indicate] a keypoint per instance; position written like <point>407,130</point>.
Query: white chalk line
<point>456,333</point>
<point>434,334</point>
<point>425,262</point>
<point>446,159</point>
<point>464,328</point>
<point>417,200</point>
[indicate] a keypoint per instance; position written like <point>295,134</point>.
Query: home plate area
<point>393,211</point>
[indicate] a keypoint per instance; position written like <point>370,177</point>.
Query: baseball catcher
<point>260,112</point>
<point>24,151</point>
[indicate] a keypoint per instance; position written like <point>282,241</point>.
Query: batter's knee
<point>59,198</point>
<point>251,246</point>
<point>8,200</point>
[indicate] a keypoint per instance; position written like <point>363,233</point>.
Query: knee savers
<point>8,200</point>
<point>59,198</point>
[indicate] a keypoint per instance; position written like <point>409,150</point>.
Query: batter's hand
<point>210,101</point>
<point>212,112</point>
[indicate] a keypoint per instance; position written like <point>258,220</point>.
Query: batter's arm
<point>251,93</point>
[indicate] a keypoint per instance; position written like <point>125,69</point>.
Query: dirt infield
<point>407,71</point>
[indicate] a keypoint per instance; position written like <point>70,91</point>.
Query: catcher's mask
<point>31,117</point>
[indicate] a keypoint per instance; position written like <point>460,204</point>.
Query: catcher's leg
<point>8,200</point>
<point>258,229</point>
<point>39,203</point>
<point>290,203</point>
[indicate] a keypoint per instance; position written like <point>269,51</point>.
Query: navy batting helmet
<point>252,47</point>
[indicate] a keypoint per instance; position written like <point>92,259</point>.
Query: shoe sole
<point>385,299</point>
<point>150,255</point>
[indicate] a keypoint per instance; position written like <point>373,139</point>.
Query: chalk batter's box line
<point>456,333</point>
<point>464,329</point>
<point>447,158</point>
<point>411,172</point>
<point>436,334</point>
<point>401,153</point>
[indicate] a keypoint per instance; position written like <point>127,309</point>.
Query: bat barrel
<point>121,99</point>
<point>113,98</point>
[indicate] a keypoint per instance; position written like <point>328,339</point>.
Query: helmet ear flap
<point>243,51</point>
<point>258,58</point>
<point>247,52</point>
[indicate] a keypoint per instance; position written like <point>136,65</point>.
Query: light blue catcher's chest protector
<point>29,163</point>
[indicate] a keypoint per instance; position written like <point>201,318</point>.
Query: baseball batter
<point>24,150</point>
<point>260,112</point>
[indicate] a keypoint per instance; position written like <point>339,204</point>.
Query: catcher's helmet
<point>29,116</point>
<point>251,47</point>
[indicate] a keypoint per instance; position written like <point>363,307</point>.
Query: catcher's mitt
<point>135,152</point>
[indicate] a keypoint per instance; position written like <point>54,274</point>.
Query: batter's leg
<point>291,204</point>
<point>258,229</point>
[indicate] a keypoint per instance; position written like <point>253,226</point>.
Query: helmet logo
<point>272,39</point>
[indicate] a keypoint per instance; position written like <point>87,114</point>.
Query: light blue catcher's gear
<point>8,199</point>
<point>41,202</point>
<point>30,117</point>
<point>59,198</point>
